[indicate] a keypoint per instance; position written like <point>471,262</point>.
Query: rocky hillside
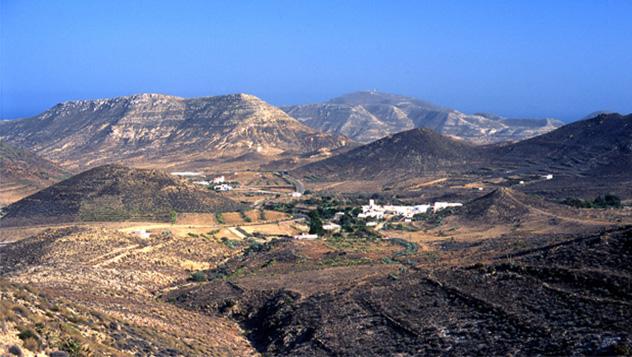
<point>159,128</point>
<point>600,145</point>
<point>413,152</point>
<point>595,148</point>
<point>22,172</point>
<point>368,116</point>
<point>115,193</point>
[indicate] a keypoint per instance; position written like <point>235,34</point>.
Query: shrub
<point>72,346</point>
<point>173,216</point>
<point>24,334</point>
<point>32,344</point>
<point>198,276</point>
<point>606,201</point>
<point>219,218</point>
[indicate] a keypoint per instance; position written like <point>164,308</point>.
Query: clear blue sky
<point>515,58</point>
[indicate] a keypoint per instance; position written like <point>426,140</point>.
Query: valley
<point>422,243</point>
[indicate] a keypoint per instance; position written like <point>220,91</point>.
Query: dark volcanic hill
<point>368,116</point>
<point>498,206</point>
<point>413,152</point>
<point>115,193</point>
<point>22,172</point>
<point>600,147</point>
<point>161,128</point>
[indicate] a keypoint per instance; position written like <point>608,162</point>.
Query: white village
<point>373,210</point>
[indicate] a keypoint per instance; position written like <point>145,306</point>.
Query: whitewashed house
<point>219,180</point>
<point>186,173</point>
<point>438,206</point>
<point>305,236</point>
<point>141,233</point>
<point>331,227</point>
<point>202,182</point>
<point>223,187</point>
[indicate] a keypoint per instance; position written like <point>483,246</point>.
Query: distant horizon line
<point>87,99</point>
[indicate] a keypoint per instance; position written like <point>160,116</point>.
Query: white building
<point>306,236</point>
<point>141,233</point>
<point>186,173</point>
<point>223,187</point>
<point>338,216</point>
<point>438,206</point>
<point>548,177</point>
<point>219,180</point>
<point>331,227</point>
<point>296,194</point>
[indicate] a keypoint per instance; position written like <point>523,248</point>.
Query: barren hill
<point>114,193</point>
<point>413,152</point>
<point>598,150</point>
<point>22,172</point>
<point>498,206</point>
<point>160,128</point>
<point>588,146</point>
<point>368,116</point>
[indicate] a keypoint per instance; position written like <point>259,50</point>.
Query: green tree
<point>315,223</point>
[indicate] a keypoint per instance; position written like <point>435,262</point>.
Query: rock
<point>59,354</point>
<point>16,351</point>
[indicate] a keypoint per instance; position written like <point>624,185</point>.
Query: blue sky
<point>516,58</point>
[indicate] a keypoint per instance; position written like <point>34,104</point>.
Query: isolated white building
<point>218,180</point>
<point>548,177</point>
<point>186,173</point>
<point>331,227</point>
<point>223,187</point>
<point>141,233</point>
<point>306,236</point>
<point>438,206</point>
<point>296,194</point>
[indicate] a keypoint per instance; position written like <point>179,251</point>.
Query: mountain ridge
<point>152,127</point>
<point>366,116</point>
<point>597,147</point>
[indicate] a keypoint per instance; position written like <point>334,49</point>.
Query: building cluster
<point>218,183</point>
<point>378,212</point>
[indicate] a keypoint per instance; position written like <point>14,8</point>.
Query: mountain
<point>115,193</point>
<point>160,128</point>
<point>412,152</point>
<point>368,116</point>
<point>594,148</point>
<point>601,145</point>
<point>22,173</point>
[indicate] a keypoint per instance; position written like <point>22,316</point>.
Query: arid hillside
<point>155,128</point>
<point>115,193</point>
<point>595,152</point>
<point>23,173</point>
